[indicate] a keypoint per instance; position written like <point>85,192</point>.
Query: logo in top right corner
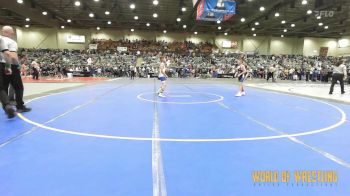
<point>325,13</point>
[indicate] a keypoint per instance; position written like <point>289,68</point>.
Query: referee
<point>5,68</point>
<point>339,74</point>
<point>10,52</point>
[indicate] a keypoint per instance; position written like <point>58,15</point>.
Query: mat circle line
<point>340,122</point>
<point>219,98</point>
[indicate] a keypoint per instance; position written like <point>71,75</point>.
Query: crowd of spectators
<point>154,46</point>
<point>185,59</point>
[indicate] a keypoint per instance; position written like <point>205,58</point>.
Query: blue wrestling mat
<point>120,138</point>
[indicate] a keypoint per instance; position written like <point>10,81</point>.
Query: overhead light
<point>283,22</point>
<point>164,31</point>
<point>262,9</point>
<point>325,27</point>
<point>219,27</point>
<point>218,21</point>
<point>318,17</point>
<point>77,3</point>
<point>254,34</point>
<point>277,14</point>
<point>69,20</point>
<point>91,15</point>
<point>107,12</point>
<point>309,12</point>
<point>98,28</point>
<point>282,35</point>
<point>183,9</point>
<point>257,23</point>
<point>195,32</point>
<point>285,30</point>
<point>148,24</point>
<point>109,22</point>
<point>96,0</point>
<point>27,19</point>
<point>62,27</point>
<point>132,6</point>
<point>225,34</point>
<point>27,26</point>
<point>304,2</point>
<point>20,1</point>
<point>155,2</point>
<point>320,24</point>
<point>136,17</point>
<point>184,26</point>
<point>132,30</point>
<point>242,19</point>
<point>292,25</point>
<point>178,19</point>
<point>253,29</point>
<point>44,13</point>
<point>155,15</point>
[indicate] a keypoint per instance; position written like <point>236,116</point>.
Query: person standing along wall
<point>35,70</point>
<point>5,69</point>
<point>10,52</point>
<point>339,74</point>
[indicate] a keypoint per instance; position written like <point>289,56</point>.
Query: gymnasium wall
<point>150,35</point>
<point>62,36</point>
<point>168,37</point>
<point>56,38</point>
<point>200,38</point>
<point>286,45</point>
<point>49,38</point>
<point>312,46</point>
<point>344,50</point>
<point>108,34</point>
<point>37,38</point>
<point>221,38</point>
<point>258,44</point>
<point>264,44</point>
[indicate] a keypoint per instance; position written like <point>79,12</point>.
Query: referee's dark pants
<point>35,74</point>
<point>269,75</point>
<point>337,77</point>
<point>3,90</point>
<point>11,93</point>
<point>16,81</point>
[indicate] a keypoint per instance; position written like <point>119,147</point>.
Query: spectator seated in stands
<point>187,59</point>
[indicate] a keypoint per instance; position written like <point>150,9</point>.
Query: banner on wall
<point>234,44</point>
<point>251,53</point>
<point>229,44</point>
<point>93,46</point>
<point>226,44</point>
<point>75,39</point>
<point>323,51</point>
<point>216,10</point>
<point>122,49</point>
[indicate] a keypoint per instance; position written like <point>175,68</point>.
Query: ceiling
<point>122,17</point>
